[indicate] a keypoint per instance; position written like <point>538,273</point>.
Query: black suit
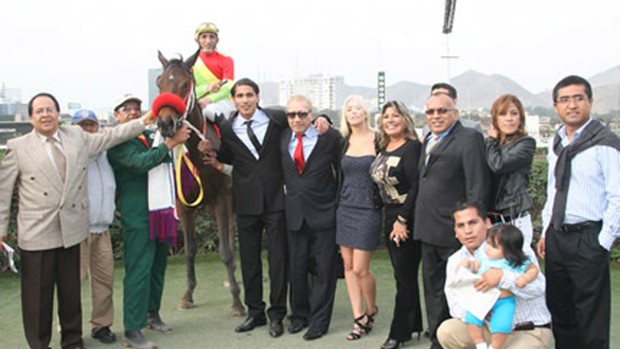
<point>259,204</point>
<point>456,171</point>
<point>311,221</point>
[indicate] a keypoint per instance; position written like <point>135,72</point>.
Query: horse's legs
<point>187,217</point>
<point>224,218</point>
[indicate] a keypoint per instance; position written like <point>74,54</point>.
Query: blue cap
<point>83,114</point>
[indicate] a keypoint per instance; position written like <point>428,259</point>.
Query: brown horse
<point>177,78</point>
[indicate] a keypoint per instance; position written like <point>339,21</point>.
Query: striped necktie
<point>59,158</point>
<point>431,144</point>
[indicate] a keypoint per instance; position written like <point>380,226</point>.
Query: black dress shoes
<point>276,329</point>
<point>250,323</point>
<point>391,343</point>
<point>104,335</point>
<point>313,334</point>
<point>296,326</point>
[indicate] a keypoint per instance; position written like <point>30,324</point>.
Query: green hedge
<point>206,229</point>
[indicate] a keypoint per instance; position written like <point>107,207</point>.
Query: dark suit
<point>311,223</point>
<point>259,204</point>
<point>456,171</point>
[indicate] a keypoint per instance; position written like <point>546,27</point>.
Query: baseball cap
<point>83,114</point>
<point>124,98</point>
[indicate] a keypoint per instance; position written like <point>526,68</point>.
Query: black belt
<point>572,228</point>
<point>501,218</point>
<point>528,326</point>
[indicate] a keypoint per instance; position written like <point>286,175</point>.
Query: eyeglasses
<point>440,111</point>
<point>41,111</point>
<point>567,99</point>
<point>301,114</point>
<point>127,109</point>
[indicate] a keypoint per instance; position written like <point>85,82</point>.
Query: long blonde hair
<point>345,128</point>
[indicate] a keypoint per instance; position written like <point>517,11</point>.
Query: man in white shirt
<point>580,219</point>
<point>96,252</point>
<point>531,324</point>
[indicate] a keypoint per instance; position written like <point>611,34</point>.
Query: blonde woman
<point>358,217</point>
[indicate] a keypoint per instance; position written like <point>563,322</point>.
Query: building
<point>153,89</point>
<point>322,90</point>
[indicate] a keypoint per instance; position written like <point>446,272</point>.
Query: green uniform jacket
<point>131,162</point>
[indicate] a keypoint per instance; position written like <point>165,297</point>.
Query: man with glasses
<point>452,169</point>
<point>250,142</point>
<point>47,167</point>
<point>531,327</point>
<point>310,163</point>
<point>145,254</point>
<point>581,219</point>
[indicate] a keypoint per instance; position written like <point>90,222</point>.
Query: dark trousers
<point>313,259</point>
<point>578,287</point>
<point>434,261</point>
<point>407,316</point>
<point>42,271</point>
<point>250,247</point>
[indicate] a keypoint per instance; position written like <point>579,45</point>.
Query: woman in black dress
<point>395,170</point>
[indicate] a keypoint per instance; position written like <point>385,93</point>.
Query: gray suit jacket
<point>51,213</point>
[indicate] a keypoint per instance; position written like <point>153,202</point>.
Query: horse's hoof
<point>237,311</point>
<point>226,283</point>
<point>185,304</point>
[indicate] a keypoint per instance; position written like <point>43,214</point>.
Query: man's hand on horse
<point>322,124</point>
<point>204,146</point>
<point>148,118</point>
<point>180,136</point>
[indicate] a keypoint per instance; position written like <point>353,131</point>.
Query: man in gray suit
<point>48,166</point>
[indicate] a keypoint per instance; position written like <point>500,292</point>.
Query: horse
<point>214,188</point>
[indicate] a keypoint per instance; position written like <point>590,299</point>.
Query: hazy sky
<point>92,51</point>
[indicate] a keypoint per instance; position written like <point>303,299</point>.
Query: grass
<point>209,324</point>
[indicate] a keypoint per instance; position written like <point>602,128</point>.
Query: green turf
<point>209,324</point>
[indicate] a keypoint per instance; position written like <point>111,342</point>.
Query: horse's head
<point>176,78</point>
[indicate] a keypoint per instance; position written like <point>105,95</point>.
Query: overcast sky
<point>92,51</point>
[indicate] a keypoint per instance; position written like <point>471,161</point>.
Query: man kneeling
<point>531,325</point>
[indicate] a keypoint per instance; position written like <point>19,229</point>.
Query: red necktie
<point>298,155</point>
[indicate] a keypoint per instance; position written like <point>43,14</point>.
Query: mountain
<point>608,77</point>
<point>476,91</point>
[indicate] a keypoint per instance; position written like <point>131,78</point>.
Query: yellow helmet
<point>206,27</point>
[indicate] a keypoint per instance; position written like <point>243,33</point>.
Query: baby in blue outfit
<point>503,250</point>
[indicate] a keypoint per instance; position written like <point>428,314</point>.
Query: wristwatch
<point>401,220</point>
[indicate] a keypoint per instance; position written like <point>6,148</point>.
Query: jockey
<point>213,73</point>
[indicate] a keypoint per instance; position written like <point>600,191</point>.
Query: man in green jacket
<point>145,257</point>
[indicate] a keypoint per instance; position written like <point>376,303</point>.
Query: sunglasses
<point>440,111</point>
<point>301,114</point>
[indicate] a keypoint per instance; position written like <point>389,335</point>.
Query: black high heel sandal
<point>359,328</point>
